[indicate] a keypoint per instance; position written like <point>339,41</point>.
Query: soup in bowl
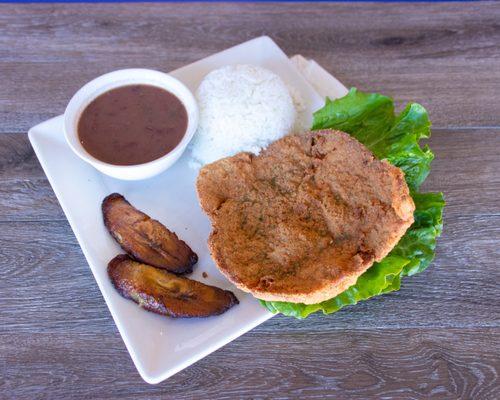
<point>131,124</point>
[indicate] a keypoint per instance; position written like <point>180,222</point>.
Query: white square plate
<point>160,346</point>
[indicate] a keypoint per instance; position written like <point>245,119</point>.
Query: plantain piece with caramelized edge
<point>146,239</point>
<point>167,294</point>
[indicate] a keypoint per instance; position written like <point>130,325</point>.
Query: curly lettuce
<point>370,118</point>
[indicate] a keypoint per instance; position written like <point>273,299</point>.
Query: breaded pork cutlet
<point>304,219</point>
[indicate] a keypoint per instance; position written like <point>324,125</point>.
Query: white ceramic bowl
<point>120,78</point>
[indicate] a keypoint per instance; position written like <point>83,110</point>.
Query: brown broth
<point>132,125</point>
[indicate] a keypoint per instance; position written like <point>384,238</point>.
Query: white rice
<point>242,108</point>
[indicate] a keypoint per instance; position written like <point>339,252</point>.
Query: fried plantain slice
<point>144,238</point>
<point>167,294</point>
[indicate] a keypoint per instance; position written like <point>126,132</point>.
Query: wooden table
<point>438,337</point>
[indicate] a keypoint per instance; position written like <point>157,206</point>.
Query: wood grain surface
<point>438,337</point>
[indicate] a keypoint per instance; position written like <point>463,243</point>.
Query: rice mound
<point>242,108</point>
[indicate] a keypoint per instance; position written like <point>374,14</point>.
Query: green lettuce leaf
<point>380,277</point>
<point>370,119</point>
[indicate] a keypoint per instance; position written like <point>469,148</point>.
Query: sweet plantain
<point>146,239</point>
<point>167,294</point>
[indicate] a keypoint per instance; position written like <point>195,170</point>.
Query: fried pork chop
<point>305,218</point>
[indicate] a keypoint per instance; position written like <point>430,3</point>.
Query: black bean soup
<point>132,125</point>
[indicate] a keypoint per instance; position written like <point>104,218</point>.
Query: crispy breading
<point>167,294</point>
<point>146,239</point>
<point>303,219</point>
